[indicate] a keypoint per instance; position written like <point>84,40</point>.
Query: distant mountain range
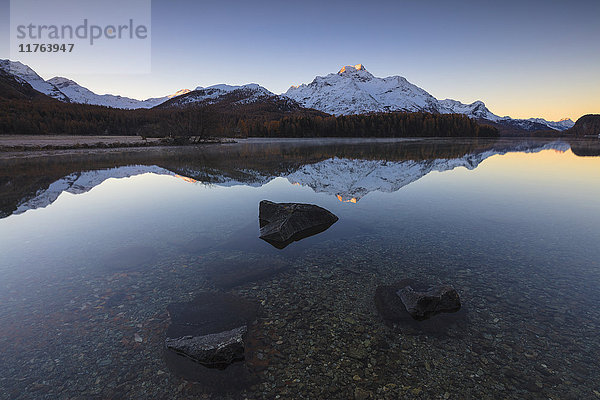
<point>244,94</point>
<point>66,90</point>
<point>352,90</point>
<point>78,94</point>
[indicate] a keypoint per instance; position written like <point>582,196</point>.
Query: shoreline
<point>25,146</point>
<point>37,143</point>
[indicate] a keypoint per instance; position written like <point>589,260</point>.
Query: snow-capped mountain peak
<point>352,68</point>
<point>560,125</point>
<point>354,90</point>
<point>24,73</point>
<point>224,88</point>
<point>79,94</point>
<point>477,109</point>
<point>248,93</point>
<point>179,93</point>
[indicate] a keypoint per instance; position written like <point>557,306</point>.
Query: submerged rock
<point>395,314</point>
<point>215,350</point>
<point>425,304</point>
<point>211,329</point>
<point>284,223</point>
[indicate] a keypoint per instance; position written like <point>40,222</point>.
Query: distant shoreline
<point>19,143</point>
<point>36,142</point>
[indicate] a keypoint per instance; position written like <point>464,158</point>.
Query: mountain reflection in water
<point>346,169</point>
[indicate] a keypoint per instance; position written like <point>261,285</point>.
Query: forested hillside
<point>23,115</point>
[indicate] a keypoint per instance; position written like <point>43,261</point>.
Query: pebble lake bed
<point>104,254</point>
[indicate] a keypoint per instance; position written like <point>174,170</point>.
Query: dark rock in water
<point>213,318</point>
<point>211,328</point>
<point>425,304</point>
<point>215,350</point>
<point>394,313</point>
<point>284,223</point>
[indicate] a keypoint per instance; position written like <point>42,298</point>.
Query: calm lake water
<point>96,245</point>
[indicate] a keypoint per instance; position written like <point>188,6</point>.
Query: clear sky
<point>538,58</point>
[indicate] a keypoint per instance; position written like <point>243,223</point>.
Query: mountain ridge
<point>27,75</point>
<point>352,90</point>
<point>210,95</point>
<point>82,95</point>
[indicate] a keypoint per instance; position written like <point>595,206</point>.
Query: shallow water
<point>96,245</point>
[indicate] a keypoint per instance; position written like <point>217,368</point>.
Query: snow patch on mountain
<point>25,74</point>
<point>79,94</point>
<point>224,88</point>
<point>179,93</point>
<point>476,109</point>
<point>562,125</point>
<point>249,93</point>
<point>351,68</point>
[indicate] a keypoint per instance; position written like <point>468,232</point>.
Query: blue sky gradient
<point>522,58</point>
